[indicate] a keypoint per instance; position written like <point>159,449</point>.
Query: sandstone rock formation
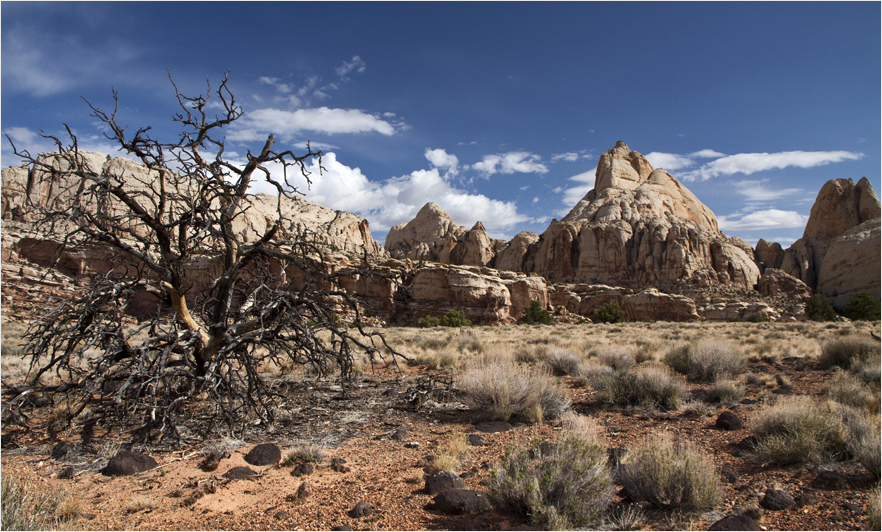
<point>840,208</point>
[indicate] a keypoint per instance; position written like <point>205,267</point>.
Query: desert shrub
<point>849,390</point>
<point>862,438</point>
<point>535,314</point>
<point>818,308</point>
<point>798,430</point>
<point>619,358</point>
<point>845,352</point>
<point>725,392</point>
<point>706,360</point>
<point>670,475</point>
<point>30,505</point>
<point>610,312</point>
<point>435,360</point>
<point>863,307</point>
<point>451,456</point>
<point>429,321</point>
<point>469,341</point>
<point>453,318</point>
<point>563,362</point>
<point>503,391</point>
<point>648,387</point>
<point>305,452</point>
<point>562,488</point>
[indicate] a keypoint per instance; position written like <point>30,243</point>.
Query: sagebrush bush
<point>799,430</point>
<point>619,358</point>
<point>648,386</point>
<point>567,487</point>
<point>504,390</point>
<point>563,362</point>
<point>874,521</point>
<point>849,390</point>
<point>305,452</point>
<point>707,360</point>
<point>724,392</point>
<point>845,352</point>
<point>671,475</point>
<point>29,505</point>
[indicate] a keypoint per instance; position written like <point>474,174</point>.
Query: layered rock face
<point>839,252</point>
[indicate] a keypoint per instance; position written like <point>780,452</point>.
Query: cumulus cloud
<point>765,219</point>
<point>441,159</point>
<point>749,163</point>
<point>574,194</point>
<point>674,161</point>
<point>399,199</point>
<point>255,124</point>
<point>511,162</point>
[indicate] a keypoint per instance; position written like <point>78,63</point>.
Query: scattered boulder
<point>476,440</point>
<point>729,421</point>
<point>831,480</point>
<point>342,528</point>
<point>459,501</point>
<point>303,491</point>
<point>239,473</point>
<point>362,509</point>
<point>212,459</point>
<point>303,470</point>
<point>339,465</point>
<point>443,481</point>
<point>736,522</point>
<point>400,435</point>
<point>493,426</point>
<point>62,451</point>
<point>128,463</point>
<point>777,500</point>
<point>264,454</point>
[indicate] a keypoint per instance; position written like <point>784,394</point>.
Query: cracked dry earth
<point>383,443</point>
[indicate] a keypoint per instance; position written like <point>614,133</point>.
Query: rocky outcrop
<point>775,282</point>
<point>643,305</point>
<point>851,264</point>
<point>841,206</point>
<point>768,254</point>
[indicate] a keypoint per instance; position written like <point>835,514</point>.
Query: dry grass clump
<point>563,362</point>
<point>305,452</point>
<point>797,430</point>
<point>563,487</point>
<point>848,351</point>
<point>849,390</point>
<point>874,522</point>
<point>725,393</point>
<point>619,358</point>
<point>671,475</point>
<point>707,360</point>
<point>503,390</point>
<point>651,386</point>
<point>29,505</point>
<point>451,456</point>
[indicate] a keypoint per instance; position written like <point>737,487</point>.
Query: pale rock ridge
<point>841,205</point>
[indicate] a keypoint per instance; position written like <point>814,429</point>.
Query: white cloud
<point>399,199</point>
<point>674,161</point>
<point>755,190</point>
<point>254,124</point>
<point>765,219</point>
<point>749,163</point>
<point>348,66</point>
<point>569,156</point>
<point>574,194</point>
<point>511,162</point>
<point>441,159</point>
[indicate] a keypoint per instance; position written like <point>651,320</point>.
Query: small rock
<point>476,440</point>
<point>853,508</point>
<point>728,475</point>
<point>362,509</point>
<point>338,465</point>
<point>212,460</point>
<point>303,491</point>
<point>493,426</point>
<point>805,499</point>
<point>303,470</point>
<point>264,454</point>
<point>128,463</point>
<point>729,421</point>
<point>67,472</point>
<point>400,435</point>
<point>62,451</point>
<point>240,472</point>
<point>460,501</point>
<point>831,480</point>
<point>342,528</point>
<point>281,516</point>
<point>412,445</point>
<point>748,444</point>
<point>784,390</point>
<point>443,481</point>
<point>735,522</point>
<point>777,500</point>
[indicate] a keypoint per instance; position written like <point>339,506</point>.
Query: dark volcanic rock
<point>777,500</point>
<point>729,421</point>
<point>735,522</point>
<point>128,463</point>
<point>264,454</point>
<point>240,472</point>
<point>443,481</point>
<point>458,502</point>
<point>212,460</point>
<point>493,426</point>
<point>476,440</point>
<point>303,469</point>
<point>362,509</point>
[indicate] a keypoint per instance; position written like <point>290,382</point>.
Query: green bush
<point>534,314</point>
<point>863,307</point>
<point>818,308</point>
<point>562,488</point>
<point>671,476</point>
<point>610,312</point>
<point>706,360</point>
<point>453,318</point>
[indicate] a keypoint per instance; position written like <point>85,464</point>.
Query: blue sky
<point>496,111</point>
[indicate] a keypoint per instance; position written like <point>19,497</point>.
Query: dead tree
<point>270,297</point>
